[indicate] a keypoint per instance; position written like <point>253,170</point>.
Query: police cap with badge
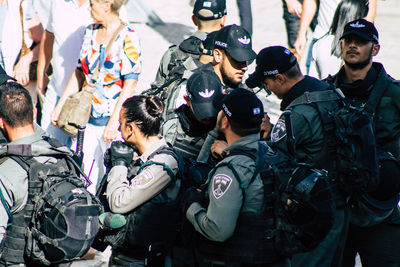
<point>242,107</point>
<point>203,87</point>
<point>361,28</point>
<point>209,9</point>
<point>236,41</point>
<point>271,61</point>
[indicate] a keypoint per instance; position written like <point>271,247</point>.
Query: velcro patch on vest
<point>221,184</point>
<point>279,131</point>
<point>143,179</point>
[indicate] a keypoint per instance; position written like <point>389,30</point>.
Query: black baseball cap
<point>236,41</point>
<point>203,88</point>
<point>362,28</point>
<point>208,44</point>
<point>4,77</point>
<point>269,62</point>
<point>209,9</point>
<point>241,106</point>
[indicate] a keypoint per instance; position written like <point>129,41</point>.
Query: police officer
<point>144,187</point>
<point>232,197</point>
<point>16,123</point>
<point>190,63</point>
<point>208,16</point>
<point>279,72</point>
<point>186,128</point>
<point>232,53</point>
<point>358,79</point>
<point>173,93</point>
<point>3,79</point>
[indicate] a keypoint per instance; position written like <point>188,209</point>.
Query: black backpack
<point>63,214</point>
<point>349,140</point>
<point>301,197</point>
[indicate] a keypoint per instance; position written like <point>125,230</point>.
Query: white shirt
<point>325,16</point>
<point>67,22</point>
<point>12,27</point>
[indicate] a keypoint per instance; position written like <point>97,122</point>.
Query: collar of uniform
<point>28,139</point>
<point>200,34</point>
<point>247,141</point>
<point>153,148</point>
<point>359,89</point>
<point>306,84</point>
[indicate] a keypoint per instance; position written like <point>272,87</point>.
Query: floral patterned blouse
<point>122,62</point>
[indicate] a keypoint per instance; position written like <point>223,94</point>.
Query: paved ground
<point>268,30</point>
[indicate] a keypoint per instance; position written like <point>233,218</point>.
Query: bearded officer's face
<point>357,52</point>
<point>232,71</point>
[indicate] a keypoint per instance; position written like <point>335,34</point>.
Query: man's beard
<point>228,81</point>
<point>359,65</point>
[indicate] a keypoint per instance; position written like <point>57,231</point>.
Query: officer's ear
<point>222,21</point>
<point>218,55</point>
<point>195,21</point>
<point>375,49</point>
<point>34,113</point>
<point>224,121</point>
<point>130,130</point>
<point>187,99</point>
<point>2,127</point>
<point>280,78</point>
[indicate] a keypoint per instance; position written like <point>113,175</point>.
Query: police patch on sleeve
<point>279,130</point>
<point>143,179</point>
<point>220,186</point>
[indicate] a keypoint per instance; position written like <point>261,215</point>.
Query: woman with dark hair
<point>326,50</point>
<point>143,185</point>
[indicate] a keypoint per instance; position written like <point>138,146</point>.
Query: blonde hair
<point>115,4</point>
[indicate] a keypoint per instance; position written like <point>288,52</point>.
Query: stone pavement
<point>268,29</point>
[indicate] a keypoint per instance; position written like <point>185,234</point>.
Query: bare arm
<point>73,85</point>
<point>372,10</point>
<point>307,14</point>
<point>45,55</point>
<point>111,130</point>
<point>294,7</point>
<point>22,68</point>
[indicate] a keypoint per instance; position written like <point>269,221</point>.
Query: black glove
<point>190,196</point>
<point>119,154</point>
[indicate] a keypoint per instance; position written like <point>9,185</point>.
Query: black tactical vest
<point>154,222</point>
<point>253,239</point>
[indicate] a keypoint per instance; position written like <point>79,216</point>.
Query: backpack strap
<point>169,151</point>
<point>151,91</point>
<point>244,151</point>
<point>316,97</point>
<point>376,95</point>
<point>165,167</point>
<point>7,208</point>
